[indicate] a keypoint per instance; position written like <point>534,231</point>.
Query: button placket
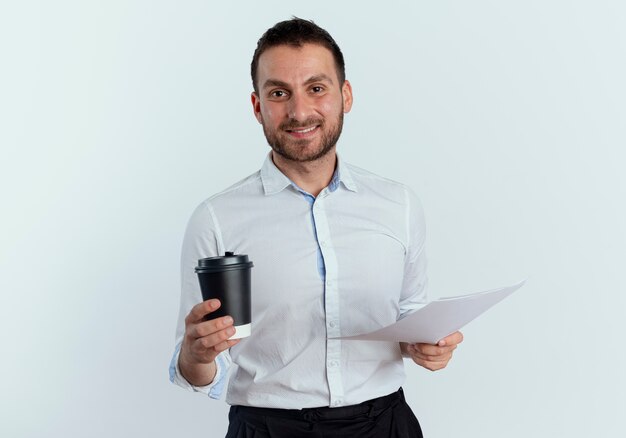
<point>331,305</point>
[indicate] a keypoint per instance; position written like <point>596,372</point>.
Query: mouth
<point>303,132</point>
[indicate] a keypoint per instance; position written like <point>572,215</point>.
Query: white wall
<point>507,118</point>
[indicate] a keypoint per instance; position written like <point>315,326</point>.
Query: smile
<point>301,132</point>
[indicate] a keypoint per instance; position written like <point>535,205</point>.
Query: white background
<point>507,118</point>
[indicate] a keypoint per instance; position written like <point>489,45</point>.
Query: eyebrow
<point>275,83</point>
<point>315,78</point>
<point>319,78</point>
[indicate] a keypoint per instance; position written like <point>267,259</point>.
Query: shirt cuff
<point>215,388</point>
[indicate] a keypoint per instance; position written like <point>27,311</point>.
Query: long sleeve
<point>202,239</point>
<point>414,294</point>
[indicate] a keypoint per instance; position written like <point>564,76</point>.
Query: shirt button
<point>332,324</point>
<point>329,283</point>
<point>337,402</point>
<point>323,243</point>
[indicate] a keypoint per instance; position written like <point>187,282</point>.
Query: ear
<point>256,106</point>
<point>346,92</point>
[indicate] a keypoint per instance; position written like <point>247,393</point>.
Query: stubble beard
<point>294,149</point>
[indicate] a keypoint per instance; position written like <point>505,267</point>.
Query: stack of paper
<point>439,318</point>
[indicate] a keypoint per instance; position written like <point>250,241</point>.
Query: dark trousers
<point>384,417</point>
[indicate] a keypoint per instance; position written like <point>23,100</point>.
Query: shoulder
<point>248,185</point>
<point>372,183</point>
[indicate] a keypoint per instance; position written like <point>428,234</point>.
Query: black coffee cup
<point>228,279</point>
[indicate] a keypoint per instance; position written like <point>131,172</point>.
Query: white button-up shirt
<point>348,261</point>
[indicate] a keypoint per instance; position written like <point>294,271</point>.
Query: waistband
<point>369,408</point>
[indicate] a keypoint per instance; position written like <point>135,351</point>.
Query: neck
<point>311,176</point>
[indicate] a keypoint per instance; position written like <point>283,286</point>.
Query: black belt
<point>368,408</point>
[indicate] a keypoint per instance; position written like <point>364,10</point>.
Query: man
<point>337,251</point>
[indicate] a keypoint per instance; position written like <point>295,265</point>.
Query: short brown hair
<point>296,32</point>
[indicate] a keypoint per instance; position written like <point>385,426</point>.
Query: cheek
<point>330,107</point>
<point>268,113</point>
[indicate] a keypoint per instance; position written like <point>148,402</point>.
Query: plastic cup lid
<point>226,262</point>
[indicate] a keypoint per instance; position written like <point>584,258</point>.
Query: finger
<point>206,349</point>
<point>206,328</point>
<point>453,339</point>
<point>431,362</point>
<point>438,358</point>
<point>433,350</point>
<point>432,358</point>
<point>432,365</point>
<point>209,342</point>
<point>226,345</point>
<point>200,310</point>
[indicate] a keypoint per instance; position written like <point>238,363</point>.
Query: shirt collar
<point>343,174</point>
<point>275,181</point>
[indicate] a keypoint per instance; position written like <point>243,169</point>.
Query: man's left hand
<point>433,357</point>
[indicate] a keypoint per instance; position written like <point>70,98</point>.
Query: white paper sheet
<point>439,318</point>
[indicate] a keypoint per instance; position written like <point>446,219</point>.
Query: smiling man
<point>302,118</point>
<point>337,250</point>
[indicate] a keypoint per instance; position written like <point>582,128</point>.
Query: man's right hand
<point>202,342</point>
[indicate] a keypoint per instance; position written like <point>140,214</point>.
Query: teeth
<point>304,131</point>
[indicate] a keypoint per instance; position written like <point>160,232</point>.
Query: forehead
<point>295,64</point>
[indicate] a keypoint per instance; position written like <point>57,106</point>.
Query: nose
<point>299,107</point>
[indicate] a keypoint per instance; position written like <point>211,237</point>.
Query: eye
<point>278,94</point>
<point>317,89</point>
